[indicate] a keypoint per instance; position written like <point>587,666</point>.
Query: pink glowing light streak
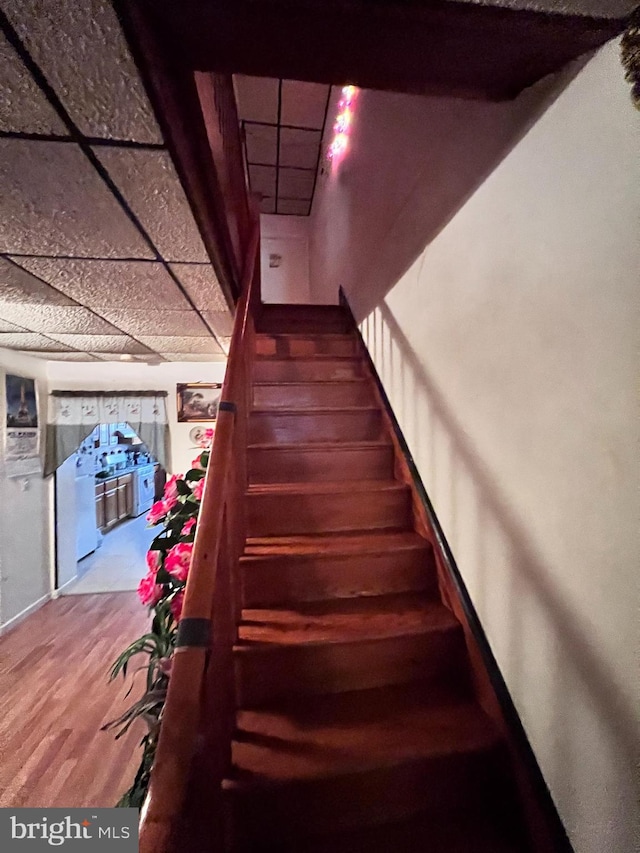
<point>342,124</point>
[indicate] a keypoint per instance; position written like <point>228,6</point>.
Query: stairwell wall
<point>507,343</point>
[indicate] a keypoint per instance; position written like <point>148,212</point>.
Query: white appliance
<point>76,532</point>
<point>144,489</point>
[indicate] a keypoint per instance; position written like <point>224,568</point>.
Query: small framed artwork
<point>198,401</point>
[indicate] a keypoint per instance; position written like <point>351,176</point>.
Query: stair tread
<point>344,620</point>
<point>323,445</point>
<point>312,410</point>
<point>329,356</point>
<point>276,384</point>
<point>336,734</point>
<point>327,487</point>
<point>334,544</point>
<point>307,335</point>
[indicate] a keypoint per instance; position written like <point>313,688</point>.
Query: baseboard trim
<point>553,821</point>
<point>19,617</point>
<point>60,590</point>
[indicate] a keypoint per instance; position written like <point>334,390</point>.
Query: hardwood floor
<point>55,696</point>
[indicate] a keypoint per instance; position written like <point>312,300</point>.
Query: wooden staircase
<point>357,727</point>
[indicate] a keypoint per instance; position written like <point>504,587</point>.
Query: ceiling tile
<point>29,341</point>
<point>267,205</point>
<point>149,357</point>
<point>256,97</point>
<point>182,344</point>
<point>293,206</point>
<point>83,53</point>
<point>63,356</point>
<point>6,326</point>
<point>295,184</point>
<point>100,343</point>
<point>262,180</point>
<point>107,284</point>
<point>150,184</point>
<point>55,318</point>
<point>23,107</point>
<point>303,104</point>
<point>201,283</point>
<point>191,356</point>
<point>17,285</point>
<point>225,344</point>
<point>220,321</point>
<point>262,143</point>
<point>150,321</point>
<point>54,203</point>
<point>299,148</point>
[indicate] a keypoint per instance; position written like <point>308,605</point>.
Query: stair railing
<point>194,749</point>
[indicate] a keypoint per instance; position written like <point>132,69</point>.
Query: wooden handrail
<point>199,711</point>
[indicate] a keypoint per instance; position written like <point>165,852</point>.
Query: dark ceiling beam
<point>445,48</point>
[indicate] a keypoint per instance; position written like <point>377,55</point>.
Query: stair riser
<point>301,346</point>
<point>312,394</point>
<point>283,515</point>
<point>267,674</point>
<point>294,466</point>
<point>445,787</point>
<point>286,428</point>
<point>286,320</point>
<point>299,370</point>
<point>276,581</point>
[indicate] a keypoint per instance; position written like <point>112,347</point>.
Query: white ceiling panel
<point>295,184</point>
<point>55,318</point>
<point>150,357</point>
<point>597,8</point>
<point>267,205</point>
<point>200,282</point>
<point>293,206</point>
<point>263,180</point>
<point>30,341</point>
<point>303,104</point>
<point>100,343</point>
<point>299,148</point>
<point>54,203</point>
<point>17,285</point>
<point>193,356</point>
<point>181,344</point>
<point>262,143</point>
<point>149,321</point>
<point>220,322</point>
<point>64,356</point>
<point>23,107</point>
<point>100,87</point>
<point>256,97</point>
<point>6,326</point>
<point>150,184</point>
<point>107,284</point>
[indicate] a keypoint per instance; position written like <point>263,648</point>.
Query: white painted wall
<point>508,347</point>
<point>25,505</point>
<point>288,237</point>
<point>134,376</point>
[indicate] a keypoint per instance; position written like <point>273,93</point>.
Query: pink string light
<point>342,124</point>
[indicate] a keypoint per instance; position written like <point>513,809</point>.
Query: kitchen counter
<point>122,472</point>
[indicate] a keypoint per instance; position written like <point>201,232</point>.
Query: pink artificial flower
<point>171,492</point>
<point>188,527</point>
<point>197,464</point>
<point>153,561</point>
<point>176,605</point>
<point>156,513</point>
<point>150,592</point>
<point>178,560</point>
<point>198,489</point>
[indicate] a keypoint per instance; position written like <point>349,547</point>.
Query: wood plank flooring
<point>55,696</point>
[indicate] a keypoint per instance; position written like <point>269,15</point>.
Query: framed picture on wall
<point>198,401</point>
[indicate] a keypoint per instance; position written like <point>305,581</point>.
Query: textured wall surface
<point>508,346</point>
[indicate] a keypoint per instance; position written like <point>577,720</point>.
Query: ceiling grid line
<point>278,138</point>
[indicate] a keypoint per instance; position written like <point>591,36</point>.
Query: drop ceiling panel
<point>55,318</point>
<point>100,343</point>
<point>221,322</point>
<point>150,321</point>
<point>299,148</point>
<point>200,282</point>
<point>18,285</point>
<point>257,98</point>
<point>295,184</point>
<point>54,203</point>
<point>193,356</point>
<point>117,356</point>
<point>181,344</point>
<point>105,284</point>
<point>6,326</point>
<point>23,107</point>
<point>304,104</point>
<point>100,87</point>
<point>64,356</point>
<point>267,205</point>
<point>294,207</point>
<point>150,184</point>
<point>263,179</point>
<point>30,341</point>
<point>262,143</point>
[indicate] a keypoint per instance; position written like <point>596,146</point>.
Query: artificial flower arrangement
<point>162,591</point>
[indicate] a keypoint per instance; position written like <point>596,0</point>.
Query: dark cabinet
<point>114,501</point>
<point>100,522</point>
